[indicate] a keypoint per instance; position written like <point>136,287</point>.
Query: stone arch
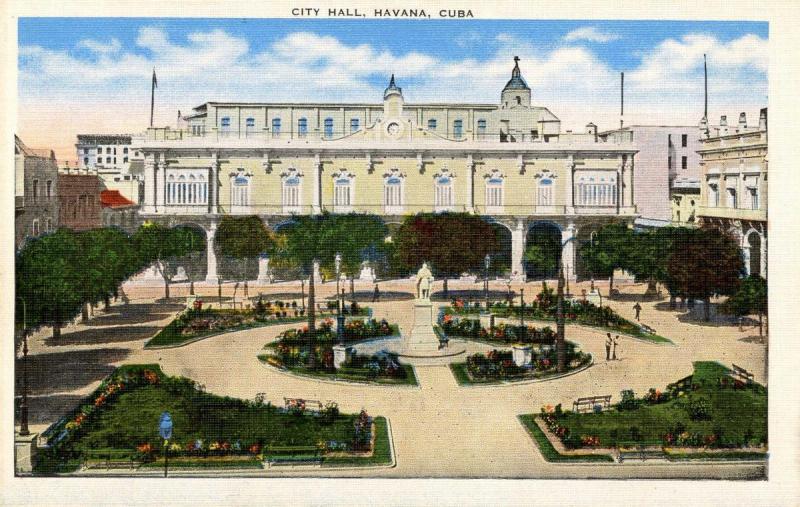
<point>753,242</point>
<point>502,260</point>
<point>583,239</point>
<point>546,236</point>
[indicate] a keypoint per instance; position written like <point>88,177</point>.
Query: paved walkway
<point>439,429</point>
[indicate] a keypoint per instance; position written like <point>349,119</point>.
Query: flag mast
<point>621,98</point>
<point>153,86</point>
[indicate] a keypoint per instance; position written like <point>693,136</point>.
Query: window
<point>519,100</point>
<point>713,194</point>
<point>494,193</point>
<point>99,160</point>
<point>481,128</point>
<point>684,162</point>
<point>432,124</point>
<point>108,150</point>
<point>35,227</point>
<point>342,193</point>
<point>302,127</point>
<point>125,160</point>
<point>276,127</point>
<point>85,160</point>
<point>291,192</point>
<point>125,151</point>
<point>596,190</point>
<point>457,129</point>
<point>187,190</point>
<point>126,177</point>
<point>225,125</point>
<point>240,192</point>
<point>48,225</point>
<point>48,188</point>
<point>35,190</point>
<point>684,141</point>
<point>328,128</point>
<point>354,125</point>
<point>732,198</point>
<point>393,194</point>
<point>250,125</point>
<point>443,194</point>
<point>86,151</point>
<point>115,150</point>
<point>753,198</point>
<point>115,160</point>
<point>108,160</point>
<point>544,194</point>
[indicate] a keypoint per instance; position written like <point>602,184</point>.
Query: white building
<point>116,159</point>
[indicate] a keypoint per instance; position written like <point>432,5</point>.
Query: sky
<point>93,75</point>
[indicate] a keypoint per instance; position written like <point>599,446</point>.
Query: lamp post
<point>338,266</point>
<point>522,312</point>
<point>165,430</point>
<point>486,262</point>
<point>340,318</point>
<point>23,405</point>
<point>591,257</point>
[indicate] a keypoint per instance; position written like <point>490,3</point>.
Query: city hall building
<point>509,162</point>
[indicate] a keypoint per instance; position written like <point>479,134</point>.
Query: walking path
<point>440,429</point>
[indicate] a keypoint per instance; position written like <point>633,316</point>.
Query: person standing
<point>608,346</point>
<point>616,342</point>
<point>638,309</point>
<point>376,294</point>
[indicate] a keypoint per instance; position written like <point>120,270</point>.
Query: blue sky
<point>74,65</point>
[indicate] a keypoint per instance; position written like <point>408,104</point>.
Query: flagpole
<point>152,96</point>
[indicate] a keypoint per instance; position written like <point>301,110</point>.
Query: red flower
<point>255,449</point>
<point>145,448</point>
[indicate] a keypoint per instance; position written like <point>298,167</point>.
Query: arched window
<point>183,190</point>
<point>328,128</point>
<point>240,192</point>
<point>302,127</point>
<point>393,193</point>
<point>291,192</point>
<point>276,127</point>
<point>85,161</point>
<point>443,193</point>
<point>481,128</point>
<point>354,125</point>
<point>342,193</point>
<point>432,124</point>
<point>458,129</point>
<point>494,193</point>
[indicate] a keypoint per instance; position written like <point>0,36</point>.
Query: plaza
<point>438,428</point>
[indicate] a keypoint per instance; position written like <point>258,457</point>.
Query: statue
<point>424,281</point>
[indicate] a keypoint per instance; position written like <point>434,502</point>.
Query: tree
<point>451,243</point>
<point>356,237</point>
<point>707,263</point>
<point>109,259</point>
<point>647,257</point>
<point>543,255</point>
<point>610,250</point>
<point>243,239</point>
<point>163,246</point>
<point>48,270</point>
<point>750,298</point>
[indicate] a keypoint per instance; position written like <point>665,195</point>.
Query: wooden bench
<point>642,455</point>
<point>684,384</point>
<point>109,458</point>
<point>589,403</point>
<point>443,339</point>
<point>289,454</point>
<point>742,375</point>
<point>309,405</point>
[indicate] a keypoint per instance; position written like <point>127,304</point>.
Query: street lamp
<point>23,405</point>
<point>522,313</point>
<point>486,262</point>
<point>338,266</point>
<point>165,430</point>
<point>340,318</point>
<point>591,258</point>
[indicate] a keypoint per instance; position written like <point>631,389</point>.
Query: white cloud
<point>591,34</point>
<point>100,47</point>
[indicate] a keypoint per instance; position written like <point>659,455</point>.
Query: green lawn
<point>381,456</point>
<point>550,453</point>
<point>357,375</point>
<point>737,416</point>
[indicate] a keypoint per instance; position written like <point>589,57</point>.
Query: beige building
<point>509,162</point>
<point>35,192</point>
<point>733,192</point>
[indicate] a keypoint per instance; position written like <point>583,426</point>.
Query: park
<point>407,350</point>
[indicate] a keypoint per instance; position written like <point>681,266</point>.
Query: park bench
<point>682,385</point>
<point>642,455</point>
<point>109,458</point>
<point>590,402</point>
<point>647,329</point>
<point>306,405</point>
<point>742,375</point>
<point>292,454</point>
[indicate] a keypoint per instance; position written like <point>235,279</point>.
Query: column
<point>518,238</point>
<point>746,256</point>
<point>213,184</point>
<point>317,277</point>
<point>161,183</point>
<point>211,255</point>
<point>764,256</point>
<point>569,187</point>
<point>620,188</point>
<point>628,178</point>
<point>316,206</point>
<point>263,269</point>
<point>149,184</point>
<point>568,236</point>
<point>470,184</point>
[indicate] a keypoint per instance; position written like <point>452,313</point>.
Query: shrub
<point>629,401</point>
<point>699,409</point>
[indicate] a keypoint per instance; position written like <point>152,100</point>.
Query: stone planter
<point>522,355</point>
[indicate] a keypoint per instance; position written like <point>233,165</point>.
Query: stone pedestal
<point>341,355</point>
<point>422,337</point>
<point>593,296</point>
<point>24,453</point>
<point>367,274</point>
<point>263,270</point>
<point>522,355</point>
<point>485,319</point>
<point>190,299</point>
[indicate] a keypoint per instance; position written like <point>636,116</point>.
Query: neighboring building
<point>734,185</point>
<point>119,211</point>
<point>666,162</point>
<point>509,162</point>
<point>35,192</point>
<point>685,199</point>
<point>116,159</point>
<point>79,200</point>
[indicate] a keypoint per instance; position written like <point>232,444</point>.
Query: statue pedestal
<point>422,337</point>
<point>24,453</point>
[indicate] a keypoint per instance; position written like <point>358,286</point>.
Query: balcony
<point>732,213</point>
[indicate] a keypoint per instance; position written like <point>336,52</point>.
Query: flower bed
<point>498,365</point>
<point>711,415</point>
<point>123,414</point>
<point>501,334</point>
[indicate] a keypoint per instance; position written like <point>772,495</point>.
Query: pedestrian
<point>608,346</point>
<point>616,342</point>
<point>638,309</point>
<point>376,295</point>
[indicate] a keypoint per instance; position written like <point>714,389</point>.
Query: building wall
<point>685,203</point>
<point>36,206</point>
<point>79,201</point>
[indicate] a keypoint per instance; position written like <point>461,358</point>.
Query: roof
<point>516,82</point>
<point>104,138</point>
<point>113,199</point>
<point>32,152</point>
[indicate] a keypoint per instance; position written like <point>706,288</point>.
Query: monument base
<point>24,453</point>
<point>423,340</point>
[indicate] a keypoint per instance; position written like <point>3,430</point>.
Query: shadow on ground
<point>134,314</point>
<point>47,409</point>
<point>472,295</point>
<point>68,371</point>
<point>278,296</point>
<point>99,335</point>
<point>632,298</point>
<point>365,296</point>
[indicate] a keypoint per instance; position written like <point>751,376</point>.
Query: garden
<point>544,307</point>
<point>121,418</point>
<point>710,415</point>
<point>291,352</point>
<point>199,322</point>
